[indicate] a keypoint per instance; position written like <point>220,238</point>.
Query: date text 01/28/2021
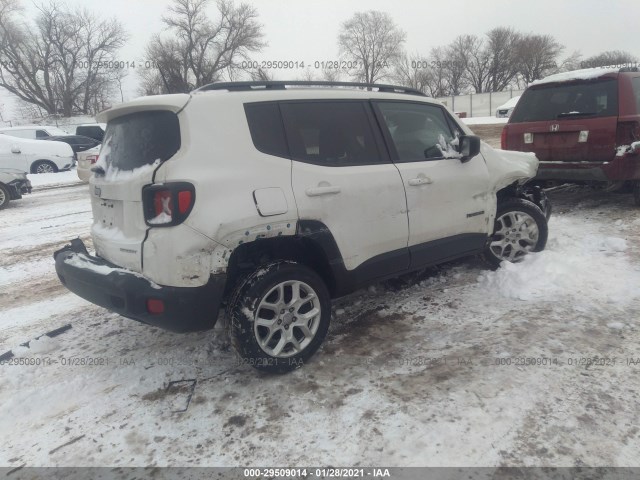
<point>317,472</point>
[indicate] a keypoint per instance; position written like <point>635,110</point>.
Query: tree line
<point>66,60</point>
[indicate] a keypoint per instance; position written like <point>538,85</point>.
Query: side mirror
<point>15,149</point>
<point>469,147</point>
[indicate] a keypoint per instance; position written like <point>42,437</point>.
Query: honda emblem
<point>555,127</point>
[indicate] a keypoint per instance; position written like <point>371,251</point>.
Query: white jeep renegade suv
<point>271,200</point>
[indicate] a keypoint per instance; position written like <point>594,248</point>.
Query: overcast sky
<point>307,30</point>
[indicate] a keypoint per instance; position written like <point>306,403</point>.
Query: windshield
<point>140,139</point>
<point>594,98</point>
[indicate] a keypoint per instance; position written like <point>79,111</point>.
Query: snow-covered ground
<point>456,366</point>
<point>48,180</point>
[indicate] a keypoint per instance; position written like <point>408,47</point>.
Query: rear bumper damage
<point>132,295</point>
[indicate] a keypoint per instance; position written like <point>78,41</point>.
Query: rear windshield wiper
<point>576,114</point>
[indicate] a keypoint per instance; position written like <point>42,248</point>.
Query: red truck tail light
<point>168,204</point>
<point>627,133</point>
<point>503,138</point>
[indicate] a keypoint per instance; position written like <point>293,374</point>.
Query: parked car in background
<point>13,184</point>
<point>35,156</point>
<point>272,199</point>
<point>78,143</point>
<point>33,132</point>
<point>92,130</point>
<point>506,109</point>
<point>86,161</point>
<point>582,125</point>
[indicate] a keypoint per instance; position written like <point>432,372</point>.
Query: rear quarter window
<point>267,131</point>
<point>139,139</point>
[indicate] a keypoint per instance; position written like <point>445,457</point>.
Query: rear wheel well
<point>246,258</point>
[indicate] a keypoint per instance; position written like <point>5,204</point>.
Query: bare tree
<point>197,50</point>
<point>537,57</point>
<point>373,43</point>
<point>412,71</point>
<point>501,50</point>
<point>610,58</point>
<point>572,62</point>
<point>470,52</point>
<point>57,63</point>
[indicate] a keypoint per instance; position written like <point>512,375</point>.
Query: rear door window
<point>592,99</point>
<point>139,139</point>
<point>336,134</point>
<point>41,134</point>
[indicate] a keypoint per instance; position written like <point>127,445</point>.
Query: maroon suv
<point>582,125</point>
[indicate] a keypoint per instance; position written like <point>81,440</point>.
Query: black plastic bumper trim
<point>186,309</point>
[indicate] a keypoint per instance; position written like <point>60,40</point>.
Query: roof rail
<point>282,84</point>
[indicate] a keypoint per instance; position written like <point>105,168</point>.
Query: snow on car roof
<point>584,74</point>
<point>510,103</point>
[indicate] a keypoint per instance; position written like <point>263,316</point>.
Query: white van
<point>33,132</point>
<point>34,156</point>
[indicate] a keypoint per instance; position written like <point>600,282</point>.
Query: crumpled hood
<point>506,166</point>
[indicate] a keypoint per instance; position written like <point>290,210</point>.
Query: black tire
<point>5,197</point>
<point>636,194</point>
<point>530,209</point>
<point>245,306</point>
<point>39,164</point>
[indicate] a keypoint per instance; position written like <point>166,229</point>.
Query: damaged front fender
<point>507,167</point>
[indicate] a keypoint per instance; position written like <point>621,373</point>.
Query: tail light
<point>92,159</point>
<point>503,138</point>
<point>627,133</point>
<point>168,204</point>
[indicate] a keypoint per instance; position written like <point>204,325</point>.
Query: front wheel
<point>520,228</point>
<point>279,316</point>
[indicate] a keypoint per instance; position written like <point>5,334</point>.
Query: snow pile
<point>593,269</point>
<point>69,177</point>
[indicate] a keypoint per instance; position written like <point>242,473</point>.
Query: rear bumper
<point>126,292</point>
<point>623,167</point>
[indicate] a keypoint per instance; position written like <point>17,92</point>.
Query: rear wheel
<point>4,197</point>
<point>44,166</point>
<point>520,228</point>
<point>279,316</point>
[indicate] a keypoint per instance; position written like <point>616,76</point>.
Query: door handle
<point>324,190</point>
<point>421,180</point>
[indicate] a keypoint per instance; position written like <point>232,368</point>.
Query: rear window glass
<point>590,99</point>
<point>140,139</point>
<point>636,92</point>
